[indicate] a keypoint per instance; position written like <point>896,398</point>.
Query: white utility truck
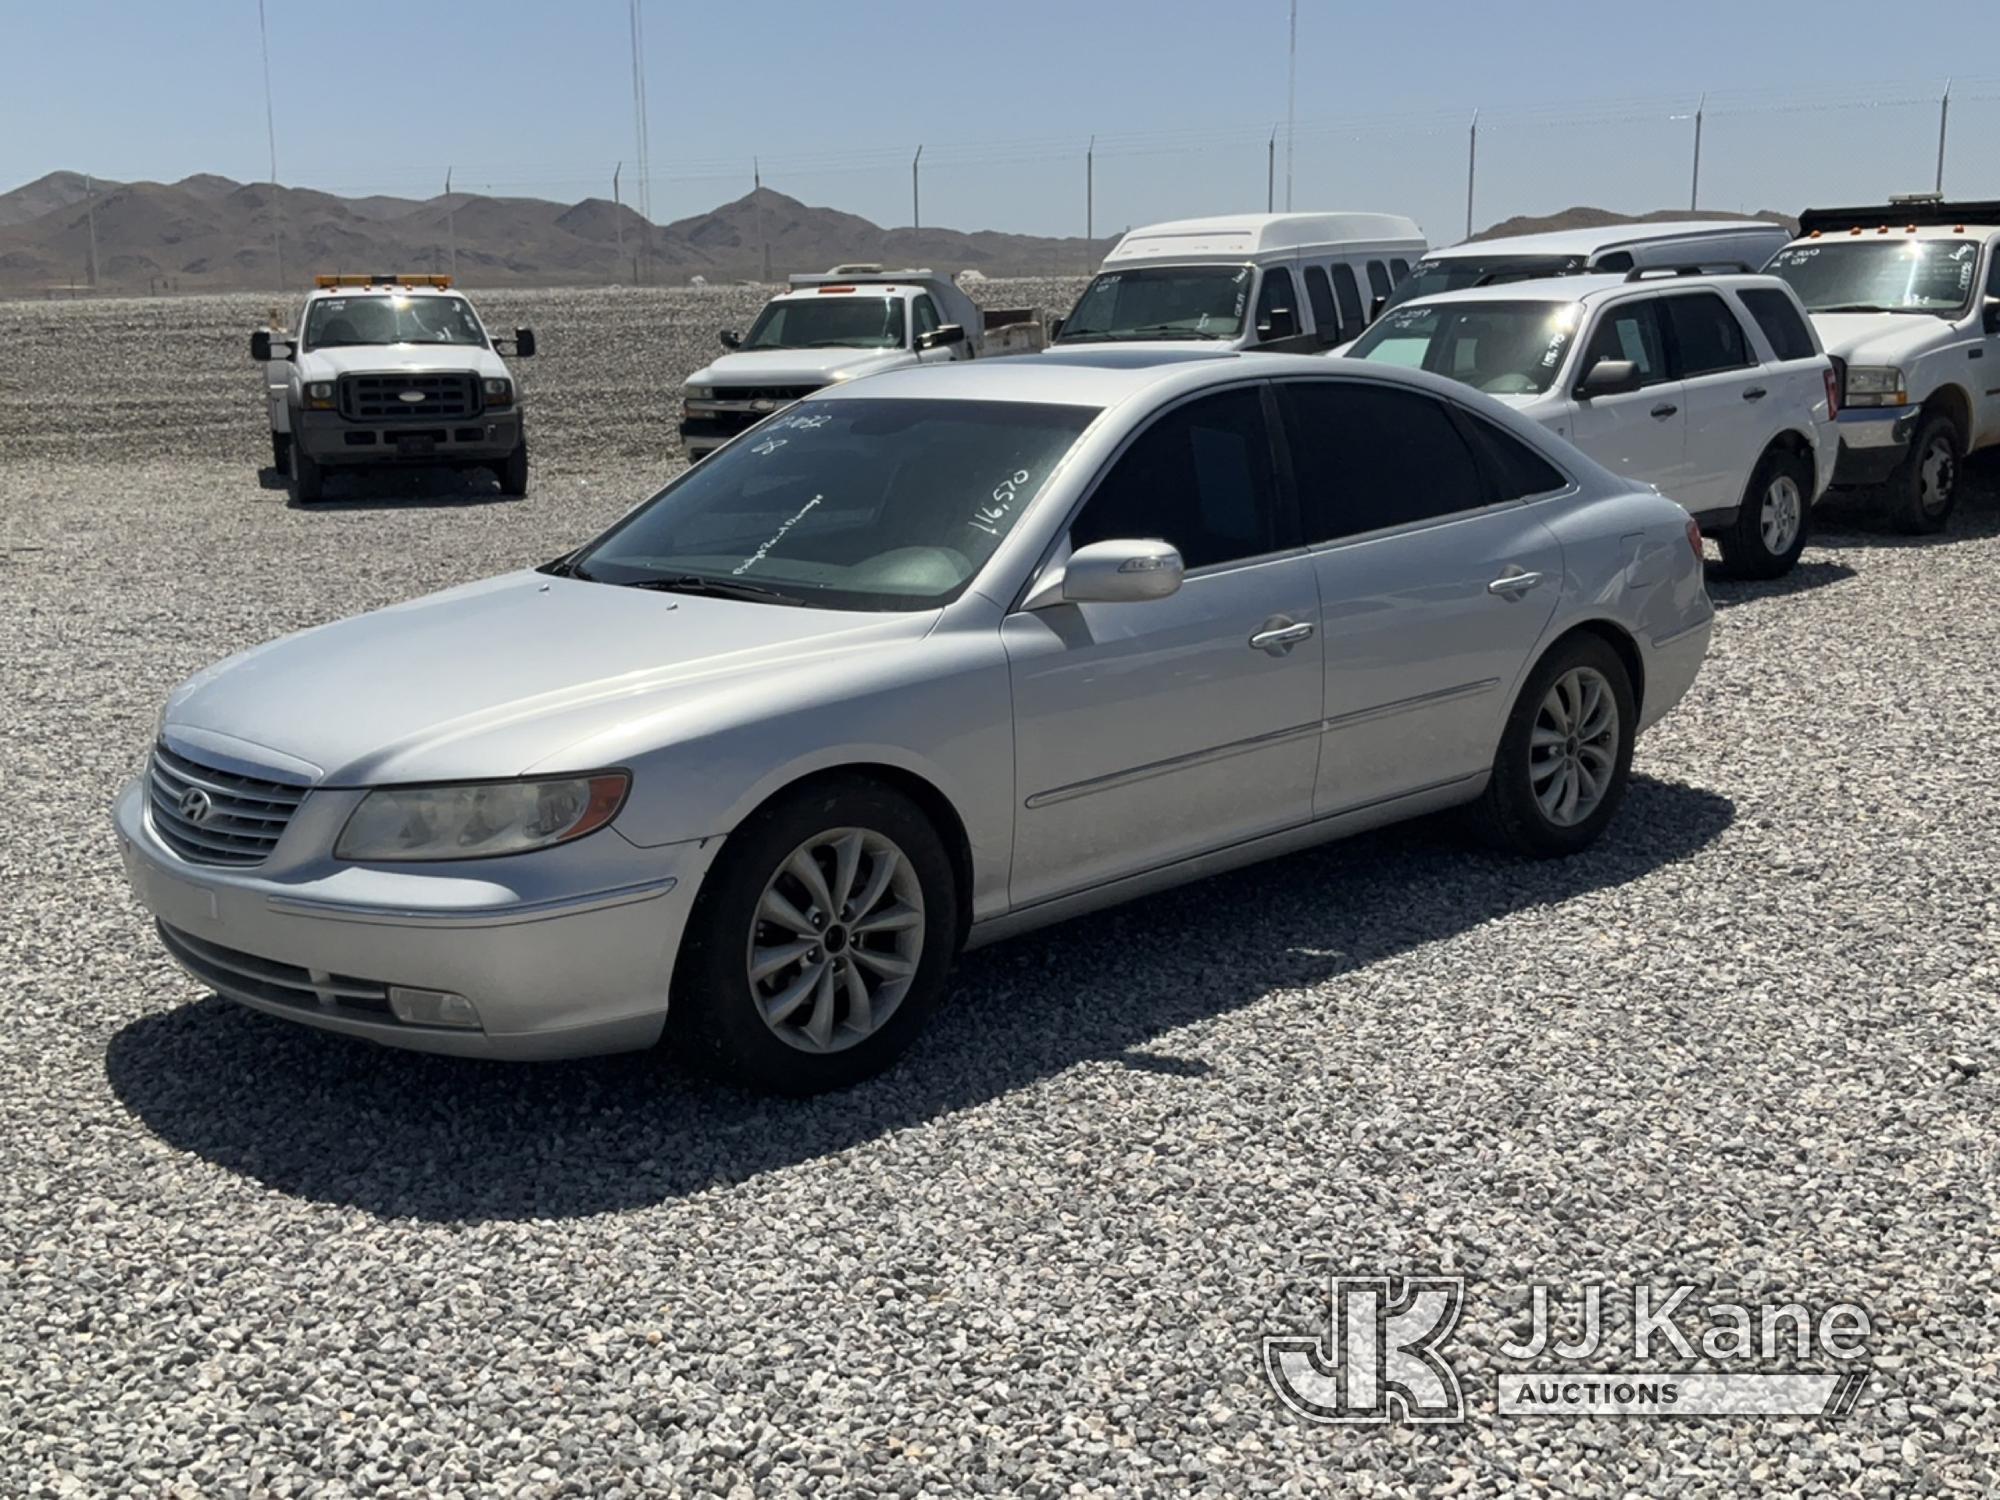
<point>391,370</point>
<point>840,325</point>
<point>1906,297</point>
<point>1262,281</point>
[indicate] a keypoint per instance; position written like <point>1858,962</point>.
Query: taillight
<point>1694,537</point>
<point>1832,391</point>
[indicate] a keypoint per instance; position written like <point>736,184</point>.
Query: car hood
<point>1880,338</point>
<point>400,359</point>
<point>797,366</point>
<point>498,678</point>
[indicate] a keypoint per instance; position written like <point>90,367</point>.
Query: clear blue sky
<point>1820,101</point>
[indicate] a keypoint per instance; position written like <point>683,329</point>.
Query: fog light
<point>432,1008</point>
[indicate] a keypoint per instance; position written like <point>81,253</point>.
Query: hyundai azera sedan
<point>920,662</point>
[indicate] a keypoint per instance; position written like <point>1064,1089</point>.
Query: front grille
<point>379,398</point>
<point>783,395</point>
<point>245,976</point>
<point>216,817</point>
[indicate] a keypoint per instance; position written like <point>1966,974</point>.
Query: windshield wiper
<point>566,567</point>
<point>720,588</point>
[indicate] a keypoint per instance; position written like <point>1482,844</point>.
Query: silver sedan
<point>921,662</point>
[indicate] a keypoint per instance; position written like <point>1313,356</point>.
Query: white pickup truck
<point>837,326</point>
<point>1906,298</point>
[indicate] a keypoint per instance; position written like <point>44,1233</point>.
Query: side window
<point>1630,330</point>
<point>1349,292</point>
<point>1378,279</point>
<point>1276,294</point>
<point>1993,273</point>
<point>1326,322</point>
<point>1517,471</point>
<point>1615,262</point>
<point>1370,456</point>
<point>925,314</point>
<point>1200,478</point>
<point>1781,321</point>
<point>1398,269</point>
<point>1706,334</point>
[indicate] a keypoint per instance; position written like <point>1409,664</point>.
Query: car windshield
<point>846,504</point>
<point>377,319</point>
<point>1502,348</point>
<point>1886,275</point>
<point>1454,273</point>
<point>1161,302</point>
<point>838,322</point>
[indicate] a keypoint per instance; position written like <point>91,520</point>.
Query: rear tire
<point>820,942</point>
<point>281,452</point>
<point>308,477</point>
<point>513,471</point>
<point>1566,752</point>
<point>1924,492</point>
<point>1769,532</point>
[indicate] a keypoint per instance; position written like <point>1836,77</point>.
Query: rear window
<point>1782,323</point>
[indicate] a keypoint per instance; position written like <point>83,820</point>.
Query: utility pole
<point>1271,173</point>
<point>451,224</point>
<point>271,135</point>
<point>642,131</point>
<point>1944,118</point>
<point>916,202</point>
<point>1089,194</point>
<point>90,216</point>
<point>1694,191</point>
<point>618,222</point>
<point>1291,101</point>
<point>757,192</point>
<point>1471,171</point>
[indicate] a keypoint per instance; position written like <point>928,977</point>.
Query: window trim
<point>1337,270</point>
<point>1327,331</point>
<point>1670,337</point>
<point>1669,367</point>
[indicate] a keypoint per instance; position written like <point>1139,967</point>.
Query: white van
<point>1262,281</point>
<point>1709,244</point>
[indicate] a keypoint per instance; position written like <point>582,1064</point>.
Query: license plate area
<point>416,447</point>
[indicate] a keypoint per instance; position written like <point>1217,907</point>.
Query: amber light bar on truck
<point>380,278</point>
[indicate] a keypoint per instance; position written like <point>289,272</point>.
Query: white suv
<point>1711,388</point>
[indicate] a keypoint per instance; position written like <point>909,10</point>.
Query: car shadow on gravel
<point>1847,519</point>
<point>404,1135</point>
<point>396,489</point>
<point>1725,591</point>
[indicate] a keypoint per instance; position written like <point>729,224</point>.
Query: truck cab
<point>836,326</point>
<point>1303,282</point>
<point>1906,297</point>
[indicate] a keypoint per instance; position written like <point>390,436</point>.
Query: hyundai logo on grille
<point>411,396</point>
<point>195,806</point>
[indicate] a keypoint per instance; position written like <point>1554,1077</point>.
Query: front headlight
<point>476,820</point>
<point>1875,385</point>
<point>319,395</point>
<point>699,392</point>
<point>499,392</point>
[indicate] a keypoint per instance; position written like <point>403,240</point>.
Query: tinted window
<point>1367,457</point>
<point>1706,334</point>
<point>1200,478</point>
<point>1378,278</point>
<point>1398,269</point>
<point>1326,322</point>
<point>1617,260</point>
<point>1506,348</point>
<point>1779,317</point>
<point>1349,292</point>
<point>1275,294</point>
<point>1631,330</point>
<point>925,314</point>
<point>1516,470</point>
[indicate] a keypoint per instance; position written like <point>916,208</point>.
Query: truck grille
<point>246,976</point>
<point>380,398</point>
<point>215,817</point>
<point>779,395</point>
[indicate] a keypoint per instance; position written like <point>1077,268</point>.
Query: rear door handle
<point>1755,393</point>
<point>1665,409</point>
<point>1513,585</point>
<point>1279,635</point>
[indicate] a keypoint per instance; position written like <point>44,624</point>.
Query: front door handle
<point>1755,393</point>
<point>1280,634</point>
<point>1513,585</point>
<point>1665,409</point>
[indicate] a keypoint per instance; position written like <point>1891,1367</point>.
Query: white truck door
<point>278,378</point>
<point>1641,435</point>
<point>1985,385</point>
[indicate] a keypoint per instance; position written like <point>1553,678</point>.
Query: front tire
<point>308,477</point>
<point>820,942</point>
<point>1924,492</point>
<point>1769,532</point>
<point>1566,752</point>
<point>513,471</point>
<point>281,452</point>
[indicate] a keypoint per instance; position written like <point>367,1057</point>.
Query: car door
<point>1985,384</point>
<point>924,319</point>
<point>1639,435</point>
<point>1149,732</point>
<point>1724,398</point>
<point>1435,579</point>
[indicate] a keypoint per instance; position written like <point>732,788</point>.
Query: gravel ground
<point>237,1257</point>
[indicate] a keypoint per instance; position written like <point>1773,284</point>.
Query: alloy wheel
<point>836,939</point>
<point>1573,748</point>
<point>1781,515</point>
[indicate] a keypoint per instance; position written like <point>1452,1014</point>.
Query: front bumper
<point>1874,440</point>
<point>330,439</point>
<point>564,953</point>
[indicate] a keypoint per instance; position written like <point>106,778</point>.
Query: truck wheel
<point>308,478</point>
<point>513,471</point>
<point>1924,491</point>
<point>281,452</point>
<point>1565,754</point>
<point>1769,531</point>
<point>820,941</point>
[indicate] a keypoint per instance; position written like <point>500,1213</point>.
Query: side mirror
<point>1993,315</point>
<point>524,343</point>
<point>730,338</point>
<point>1281,323</point>
<point>1609,377</point>
<point>943,334</point>
<point>263,349</point>
<point>1119,572</point>
<point>1375,308</point>
<point>1056,328</point>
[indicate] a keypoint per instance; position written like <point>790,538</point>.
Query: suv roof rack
<point>1914,212</point>
<point>1706,268</point>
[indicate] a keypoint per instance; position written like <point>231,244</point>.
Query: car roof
<point>1082,377</point>
<point>1603,237</point>
<point>383,289</point>
<point>1969,231</point>
<point>1591,288</point>
<point>1226,235</point>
